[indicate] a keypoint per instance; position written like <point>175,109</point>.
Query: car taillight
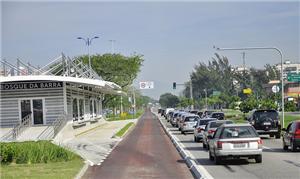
<point>297,134</point>
<point>259,142</point>
<point>219,144</point>
<point>211,131</point>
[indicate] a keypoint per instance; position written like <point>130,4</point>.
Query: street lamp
<point>88,42</point>
<point>281,60</point>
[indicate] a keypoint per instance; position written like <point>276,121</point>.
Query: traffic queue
<point>223,139</point>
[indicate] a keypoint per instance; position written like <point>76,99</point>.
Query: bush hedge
<point>33,152</point>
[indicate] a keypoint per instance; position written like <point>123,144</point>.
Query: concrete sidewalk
<point>94,144</point>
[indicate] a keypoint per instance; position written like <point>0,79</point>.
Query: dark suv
<point>265,122</point>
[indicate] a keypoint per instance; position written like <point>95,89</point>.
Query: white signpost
<point>146,85</point>
<point>275,89</point>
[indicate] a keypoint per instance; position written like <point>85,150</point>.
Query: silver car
<point>210,129</point>
<point>235,141</point>
<point>201,123</point>
<point>188,123</point>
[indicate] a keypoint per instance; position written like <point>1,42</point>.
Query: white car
<point>200,127</point>
<point>188,123</point>
<point>235,141</point>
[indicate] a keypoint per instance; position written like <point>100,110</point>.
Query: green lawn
<point>289,118</point>
<point>55,170</point>
<point>112,117</point>
<point>121,132</point>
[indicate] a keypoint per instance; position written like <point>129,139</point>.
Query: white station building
<point>65,88</point>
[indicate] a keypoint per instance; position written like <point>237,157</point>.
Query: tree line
<point>223,84</point>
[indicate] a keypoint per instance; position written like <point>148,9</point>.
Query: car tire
<point>258,158</point>
<point>182,132</point>
<point>277,136</point>
<point>285,147</point>
<point>196,139</point>
<point>293,146</point>
<point>217,160</point>
<point>271,135</point>
<point>211,158</point>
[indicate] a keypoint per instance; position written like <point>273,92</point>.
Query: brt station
<point>65,90</point>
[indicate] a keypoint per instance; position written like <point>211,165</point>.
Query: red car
<point>291,136</point>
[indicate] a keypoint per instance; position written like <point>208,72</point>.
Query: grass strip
<point>121,132</point>
<point>68,169</point>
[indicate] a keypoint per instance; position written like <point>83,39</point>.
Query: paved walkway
<point>94,145</point>
<point>146,152</point>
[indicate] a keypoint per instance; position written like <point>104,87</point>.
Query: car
<point>265,122</point>
<point>167,112</point>
<point>193,111</point>
<point>181,120</point>
<point>210,129</point>
<point>173,119</point>
<point>162,112</point>
<point>218,115</point>
<point>207,113</point>
<point>200,126</point>
<point>169,115</point>
<point>232,141</point>
<point>189,123</point>
<point>291,136</point>
<point>200,114</point>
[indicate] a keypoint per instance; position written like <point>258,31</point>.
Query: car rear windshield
<point>191,119</point>
<point>218,124</point>
<point>204,122</point>
<point>262,115</point>
<point>176,114</point>
<point>217,115</point>
<point>238,132</point>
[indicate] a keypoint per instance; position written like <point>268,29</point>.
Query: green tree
<point>249,104</point>
<point>116,68</point>
<point>168,100</point>
<point>290,106</point>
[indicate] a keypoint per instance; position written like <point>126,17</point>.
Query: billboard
<point>146,85</point>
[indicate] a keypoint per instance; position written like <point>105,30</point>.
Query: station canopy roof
<point>61,69</point>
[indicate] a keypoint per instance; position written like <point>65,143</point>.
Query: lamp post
<point>112,46</point>
<point>205,90</point>
<point>281,60</point>
<point>88,42</point>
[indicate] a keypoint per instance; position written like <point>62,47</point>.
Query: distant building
<point>288,67</point>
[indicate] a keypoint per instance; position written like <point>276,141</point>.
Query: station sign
<point>30,85</point>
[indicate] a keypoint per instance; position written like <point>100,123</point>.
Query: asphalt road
<point>146,152</point>
<point>276,163</point>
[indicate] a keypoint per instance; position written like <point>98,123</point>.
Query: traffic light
<point>174,85</point>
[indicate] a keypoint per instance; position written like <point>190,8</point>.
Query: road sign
<point>216,93</point>
<point>247,91</point>
<point>275,89</point>
<point>146,85</point>
<point>293,77</point>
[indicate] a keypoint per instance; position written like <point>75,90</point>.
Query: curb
<point>187,156</point>
<point>82,171</point>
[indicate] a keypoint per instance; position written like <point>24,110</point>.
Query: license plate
<point>241,145</point>
<point>267,123</point>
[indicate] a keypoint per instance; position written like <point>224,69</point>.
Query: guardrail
<point>51,131</point>
<point>18,129</point>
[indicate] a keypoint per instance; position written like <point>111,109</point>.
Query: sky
<point>172,36</point>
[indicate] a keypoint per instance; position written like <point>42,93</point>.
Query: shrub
<point>33,152</point>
